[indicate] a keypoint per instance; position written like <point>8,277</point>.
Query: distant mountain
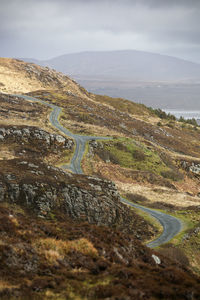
<point>124,65</point>
<point>153,79</point>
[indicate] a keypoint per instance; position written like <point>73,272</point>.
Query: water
<point>187,114</point>
<point>190,114</point>
<point>182,97</point>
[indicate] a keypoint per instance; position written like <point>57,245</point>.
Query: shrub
<point>138,155</point>
<point>188,121</point>
<point>162,114</point>
<point>170,124</point>
<point>54,250</point>
<point>136,198</point>
<point>175,254</point>
<point>174,175</point>
<point>105,155</point>
<point>121,147</point>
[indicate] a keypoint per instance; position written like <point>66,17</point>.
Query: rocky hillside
<point>16,76</point>
<point>60,258</point>
<point>68,236</point>
<point>153,159</point>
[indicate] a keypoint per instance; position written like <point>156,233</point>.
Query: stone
<point>156,259</point>
<point>60,139</point>
<point>13,192</point>
<point>31,165</point>
<point>10,177</point>
<point>2,193</point>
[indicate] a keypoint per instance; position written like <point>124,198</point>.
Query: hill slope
<point>16,76</point>
<point>67,235</point>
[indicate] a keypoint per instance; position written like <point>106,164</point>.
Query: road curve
<point>80,140</point>
<point>171,225</point>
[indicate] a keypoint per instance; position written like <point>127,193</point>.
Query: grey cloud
<point>47,28</point>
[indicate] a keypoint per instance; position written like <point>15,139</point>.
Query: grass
<point>189,221</point>
<point>54,249</point>
<point>131,154</point>
<point>124,105</point>
<point>187,241</point>
<point>6,286</point>
<point>64,158</point>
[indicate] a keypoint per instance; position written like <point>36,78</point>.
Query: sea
<point>187,114</point>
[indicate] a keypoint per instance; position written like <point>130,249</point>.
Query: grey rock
<point>156,259</point>
<point>2,131</point>
<point>2,193</point>
<point>31,165</point>
<point>17,133</point>
<point>60,139</point>
<point>26,131</point>
<point>10,177</point>
<point>13,192</point>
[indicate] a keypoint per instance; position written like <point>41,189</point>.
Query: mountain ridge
<point>129,56</point>
<point>153,79</point>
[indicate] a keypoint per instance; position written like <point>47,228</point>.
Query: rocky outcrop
<point>192,167</point>
<point>46,140</point>
<point>97,202</point>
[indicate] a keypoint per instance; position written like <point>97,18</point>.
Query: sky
<point>43,29</point>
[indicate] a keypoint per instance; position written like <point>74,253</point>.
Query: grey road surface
<point>171,225</point>
<point>80,140</point>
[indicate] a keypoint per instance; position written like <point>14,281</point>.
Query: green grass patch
<point>134,155</point>
<point>65,158</point>
<point>124,105</point>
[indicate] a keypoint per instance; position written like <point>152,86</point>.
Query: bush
<point>107,156</point>
<point>175,254</point>
<point>170,124</point>
<point>188,121</point>
<point>138,155</point>
<point>136,198</point>
<point>174,175</point>
<point>121,147</point>
<point>162,114</point>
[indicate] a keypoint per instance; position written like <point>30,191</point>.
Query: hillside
<point>68,235</point>
<point>16,76</point>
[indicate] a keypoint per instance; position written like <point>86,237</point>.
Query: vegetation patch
<point>137,156</point>
<point>124,105</point>
<point>55,250</point>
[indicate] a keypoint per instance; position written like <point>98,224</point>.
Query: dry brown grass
<point>84,128</point>
<point>17,111</point>
<point>159,194</point>
<point>54,250</point>
<point>17,76</point>
<point>4,285</point>
<point>6,154</point>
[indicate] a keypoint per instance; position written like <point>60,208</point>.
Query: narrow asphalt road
<point>171,225</point>
<point>80,140</point>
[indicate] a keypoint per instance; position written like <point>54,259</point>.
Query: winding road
<point>171,225</point>
<point>80,140</point>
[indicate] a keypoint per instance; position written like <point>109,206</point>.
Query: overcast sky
<point>47,28</point>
